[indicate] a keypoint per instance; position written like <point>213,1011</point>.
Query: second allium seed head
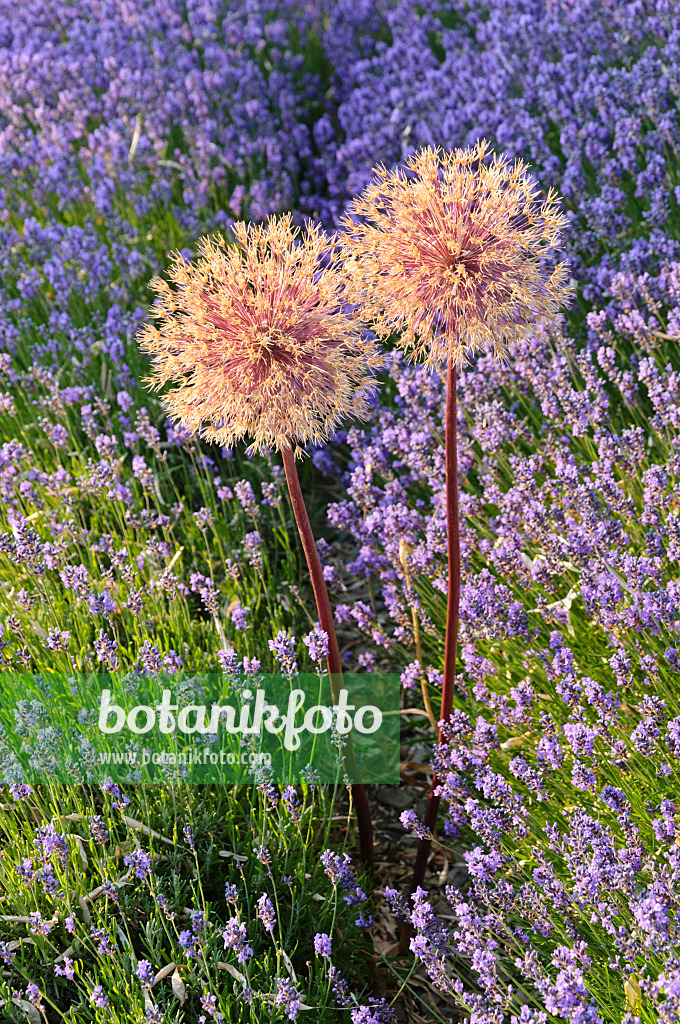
<point>451,253</point>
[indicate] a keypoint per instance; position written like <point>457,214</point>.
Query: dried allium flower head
<point>451,252</point>
<point>255,337</point>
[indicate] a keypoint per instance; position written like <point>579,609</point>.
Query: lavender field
<point>397,403</point>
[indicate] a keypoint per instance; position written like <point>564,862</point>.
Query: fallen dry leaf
<point>179,988</point>
<point>81,848</point>
<point>163,973</point>
<point>141,827</point>
<point>232,970</point>
<point>235,856</point>
<point>82,903</point>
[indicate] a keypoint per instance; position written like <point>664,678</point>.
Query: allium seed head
<point>256,340</point>
<point>451,253</point>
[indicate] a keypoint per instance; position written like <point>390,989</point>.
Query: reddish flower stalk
<point>452,613</point>
<point>326,623</point>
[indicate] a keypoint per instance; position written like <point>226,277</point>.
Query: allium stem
<point>452,607</point>
<point>334,662</point>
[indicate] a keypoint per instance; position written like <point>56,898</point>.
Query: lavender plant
<point>586,93</point>
<point>146,909</point>
<point>125,541</point>
<point>125,548</point>
<point>558,764</point>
